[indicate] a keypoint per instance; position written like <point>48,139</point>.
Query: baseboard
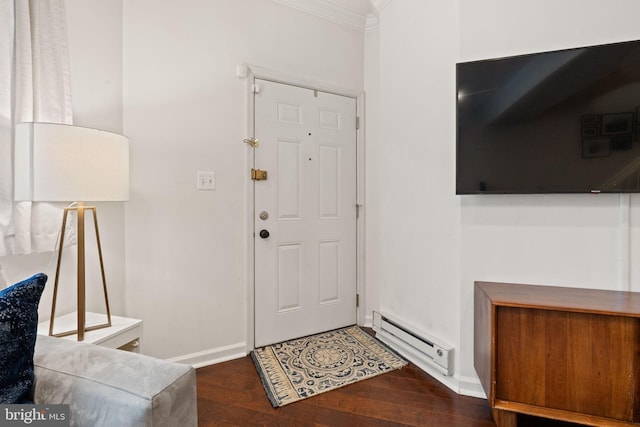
<point>466,386</point>
<point>470,386</point>
<point>368,321</point>
<point>213,356</point>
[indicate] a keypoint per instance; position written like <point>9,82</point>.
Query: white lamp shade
<point>64,163</point>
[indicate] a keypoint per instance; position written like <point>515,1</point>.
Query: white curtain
<point>34,86</point>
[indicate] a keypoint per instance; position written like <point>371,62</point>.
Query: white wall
<point>184,112</point>
<point>433,244</point>
<point>374,160</point>
<point>413,214</point>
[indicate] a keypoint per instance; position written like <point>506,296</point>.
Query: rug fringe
<point>266,371</point>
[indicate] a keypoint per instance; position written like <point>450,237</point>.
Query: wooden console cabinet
<point>562,353</point>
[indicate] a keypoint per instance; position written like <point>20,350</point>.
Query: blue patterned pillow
<point>18,330</point>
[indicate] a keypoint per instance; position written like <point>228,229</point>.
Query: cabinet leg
<point>505,418</point>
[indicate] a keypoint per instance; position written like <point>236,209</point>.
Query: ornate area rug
<point>301,368</point>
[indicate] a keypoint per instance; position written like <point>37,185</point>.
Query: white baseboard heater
<point>414,343</point>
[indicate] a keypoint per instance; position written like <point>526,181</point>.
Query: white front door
<point>305,212</point>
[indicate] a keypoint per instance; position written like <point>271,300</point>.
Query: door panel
<point>305,271</point>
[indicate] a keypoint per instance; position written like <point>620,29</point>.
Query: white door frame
<point>250,73</point>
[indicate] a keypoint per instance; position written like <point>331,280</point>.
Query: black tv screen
<point>553,122</point>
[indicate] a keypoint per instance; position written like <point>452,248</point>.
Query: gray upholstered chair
<point>107,387</point>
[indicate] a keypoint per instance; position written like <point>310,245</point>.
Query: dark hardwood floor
<point>231,394</point>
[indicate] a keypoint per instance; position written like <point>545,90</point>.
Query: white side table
<point>124,333</point>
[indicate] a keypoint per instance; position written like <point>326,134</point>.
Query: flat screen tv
<point>554,122</point>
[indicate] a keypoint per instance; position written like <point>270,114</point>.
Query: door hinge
<point>357,300</point>
<point>357,122</point>
<point>358,207</point>
<point>255,88</point>
<point>258,175</point>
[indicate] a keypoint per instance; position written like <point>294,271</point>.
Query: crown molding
<point>329,11</point>
<point>373,22</point>
<point>378,5</point>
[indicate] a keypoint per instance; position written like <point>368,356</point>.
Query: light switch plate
<point>206,181</point>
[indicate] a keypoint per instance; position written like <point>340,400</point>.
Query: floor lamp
<point>64,163</point>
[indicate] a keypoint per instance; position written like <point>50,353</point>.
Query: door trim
<point>249,73</point>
